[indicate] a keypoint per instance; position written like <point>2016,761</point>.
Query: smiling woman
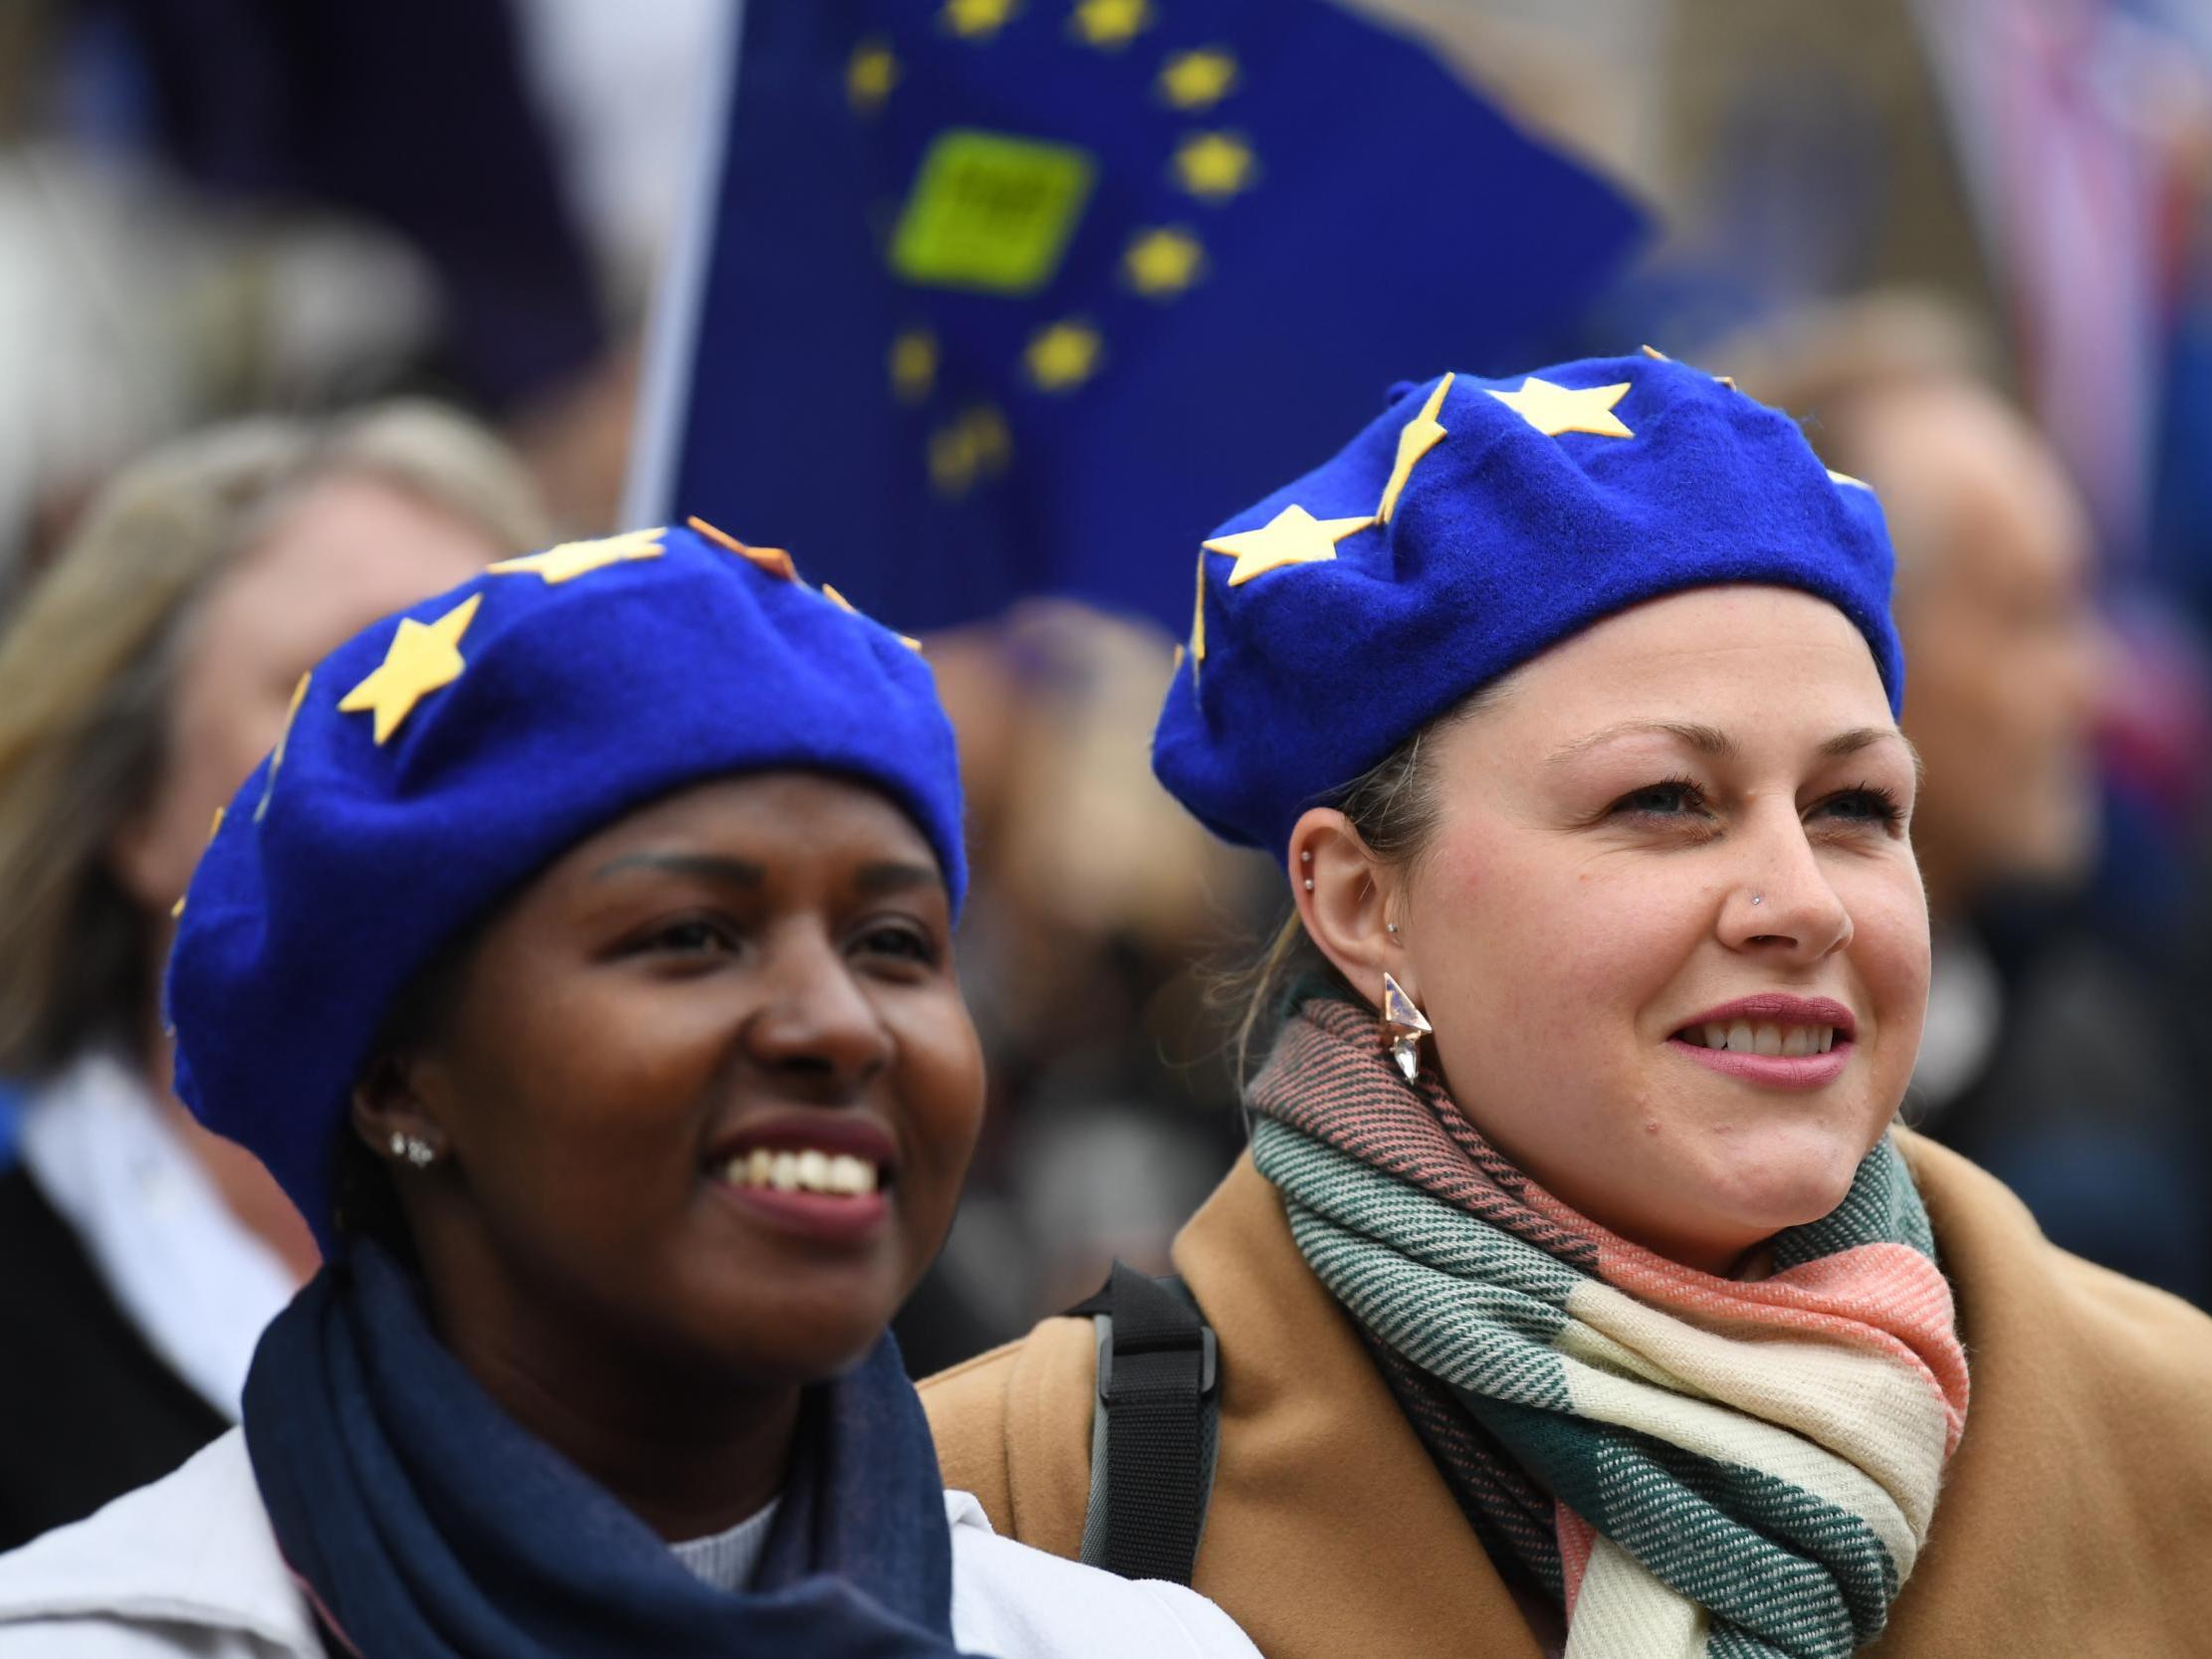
<point>579,961</point>
<point>1579,1295</point>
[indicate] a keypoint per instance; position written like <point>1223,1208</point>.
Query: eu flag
<point>1009,296</point>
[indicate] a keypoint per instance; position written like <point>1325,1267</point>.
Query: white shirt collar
<point>187,1273</point>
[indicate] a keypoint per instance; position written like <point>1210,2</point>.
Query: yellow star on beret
<point>1414,439</point>
<point>851,609</point>
<point>775,560</point>
<point>275,757</point>
<point>572,559</point>
<point>1555,409</point>
<point>423,656</point>
<point>1291,537</point>
<point>213,830</point>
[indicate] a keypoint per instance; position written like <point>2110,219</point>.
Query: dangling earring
<point>417,1151</point>
<point>1406,1026</point>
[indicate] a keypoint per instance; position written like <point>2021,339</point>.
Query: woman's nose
<point>1782,901</point>
<point>814,1022</point>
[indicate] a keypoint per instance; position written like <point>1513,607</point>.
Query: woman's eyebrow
<point>731,872</point>
<point>1705,739</point>
<point>875,881</point>
<point>1864,736</point>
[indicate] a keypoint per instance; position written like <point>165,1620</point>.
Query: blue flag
<point>1009,296</point>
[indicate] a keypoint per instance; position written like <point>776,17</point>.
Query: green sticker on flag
<point>991,212</point>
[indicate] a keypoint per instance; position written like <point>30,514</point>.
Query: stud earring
<point>1392,925</point>
<point>1406,1026</point>
<point>417,1151</point>
<point>1309,883</point>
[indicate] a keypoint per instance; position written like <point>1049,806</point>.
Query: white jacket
<point>188,1569</point>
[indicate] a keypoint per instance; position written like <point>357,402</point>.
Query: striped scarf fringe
<point>1693,1466</point>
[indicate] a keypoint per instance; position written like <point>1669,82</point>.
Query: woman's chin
<point>1760,1185</point>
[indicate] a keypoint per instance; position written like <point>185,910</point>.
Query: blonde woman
<point>1578,1296</point>
<point>140,679</point>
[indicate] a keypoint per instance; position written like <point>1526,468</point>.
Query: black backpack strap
<point>1154,1428</point>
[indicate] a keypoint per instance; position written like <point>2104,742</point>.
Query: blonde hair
<point>1395,810</point>
<point>88,672</point>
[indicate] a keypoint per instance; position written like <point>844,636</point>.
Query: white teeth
<point>839,1173</point>
<point>1789,1041</point>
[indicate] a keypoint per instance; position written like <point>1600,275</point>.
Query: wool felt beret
<point>1470,526</point>
<point>441,757</point>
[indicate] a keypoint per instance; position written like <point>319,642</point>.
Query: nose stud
<point>1758,898</point>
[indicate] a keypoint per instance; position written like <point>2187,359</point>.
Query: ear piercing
<point>1392,925</point>
<point>1306,857</point>
<point>1406,1025</point>
<point>417,1151</point>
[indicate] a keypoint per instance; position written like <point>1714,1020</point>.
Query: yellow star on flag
<point>1656,354</point>
<point>1062,356</point>
<point>1162,263</point>
<point>572,559</point>
<point>1215,165</point>
<point>1414,439</point>
<point>1291,537</point>
<point>423,656</point>
<point>1197,79</point>
<point>775,560</point>
<point>870,74</point>
<point>276,756</point>
<point>914,365</point>
<point>974,18</point>
<point>1555,409</point>
<point>972,447</point>
<point>1833,477</point>
<point>1109,24</point>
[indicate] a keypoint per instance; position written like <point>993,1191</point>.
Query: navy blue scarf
<point>425,1523</point>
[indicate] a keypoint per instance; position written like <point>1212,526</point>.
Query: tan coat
<point>2075,1519</point>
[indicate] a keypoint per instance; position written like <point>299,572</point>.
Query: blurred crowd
<point>268,370</point>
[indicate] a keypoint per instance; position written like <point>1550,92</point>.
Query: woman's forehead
<point>1713,669</point>
<point>777,815</point>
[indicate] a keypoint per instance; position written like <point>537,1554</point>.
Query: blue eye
<point>1677,798</point>
<point>1869,803</point>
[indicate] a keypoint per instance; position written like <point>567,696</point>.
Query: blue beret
<point>438,760</point>
<point>1473,526</point>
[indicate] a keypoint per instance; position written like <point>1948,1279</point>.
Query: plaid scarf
<point>1691,1465</point>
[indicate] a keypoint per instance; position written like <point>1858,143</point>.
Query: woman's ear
<point>1347,899</point>
<point>389,1113</point>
